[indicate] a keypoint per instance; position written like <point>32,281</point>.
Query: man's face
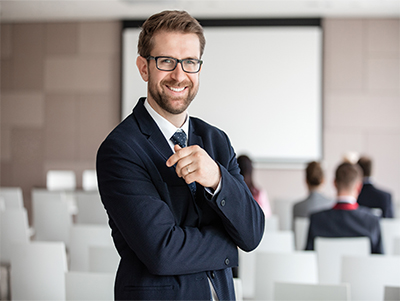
<point>172,91</point>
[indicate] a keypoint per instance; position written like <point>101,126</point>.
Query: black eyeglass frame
<point>150,57</point>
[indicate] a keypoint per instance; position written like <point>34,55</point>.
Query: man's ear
<point>141,64</point>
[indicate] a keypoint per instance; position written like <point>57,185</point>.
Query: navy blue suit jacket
<point>171,243</point>
<point>346,223</point>
<point>372,197</point>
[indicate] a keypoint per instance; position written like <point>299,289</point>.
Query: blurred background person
<point>346,218</point>
<point>315,200</point>
<point>370,196</point>
<point>260,195</point>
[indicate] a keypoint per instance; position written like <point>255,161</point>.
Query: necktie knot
<point>179,137</point>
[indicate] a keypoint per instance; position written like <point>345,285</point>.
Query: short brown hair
<point>347,175</point>
<point>168,20</point>
<point>366,165</point>
<point>314,174</point>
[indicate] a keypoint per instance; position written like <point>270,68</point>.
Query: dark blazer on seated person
<point>172,243</point>
<point>372,197</point>
<point>346,220</point>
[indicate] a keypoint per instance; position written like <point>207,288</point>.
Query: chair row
<point>390,228</point>
<point>329,253</point>
<point>66,180</point>
<point>366,276</point>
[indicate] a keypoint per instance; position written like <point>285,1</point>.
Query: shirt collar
<point>346,199</point>
<point>166,127</point>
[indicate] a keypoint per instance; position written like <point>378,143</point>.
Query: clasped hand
<point>193,164</point>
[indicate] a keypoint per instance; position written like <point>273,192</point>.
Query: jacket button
<point>223,203</point>
<point>212,275</point>
<point>227,261</point>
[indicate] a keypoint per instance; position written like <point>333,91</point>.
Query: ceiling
<point>66,10</point>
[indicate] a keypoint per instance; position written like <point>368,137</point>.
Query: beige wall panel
<point>22,109</point>
<point>28,54</point>
<point>5,36</point>
<point>344,54</point>
<point>383,36</point>
<point>61,38</point>
<point>99,37</point>
<point>384,75</point>
<point>61,74</point>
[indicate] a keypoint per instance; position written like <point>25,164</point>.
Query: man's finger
<point>174,158</point>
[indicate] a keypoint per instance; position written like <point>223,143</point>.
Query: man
<point>315,201</point>
<point>346,218</point>
<point>370,196</point>
<point>177,213</point>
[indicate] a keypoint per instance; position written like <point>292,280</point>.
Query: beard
<point>166,102</point>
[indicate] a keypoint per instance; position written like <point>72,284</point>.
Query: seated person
<point>260,195</point>
<point>370,196</point>
<point>346,218</point>
<point>315,200</point>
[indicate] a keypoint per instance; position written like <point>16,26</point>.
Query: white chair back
<point>81,239</point>
<point>390,228</point>
<point>89,286</point>
<point>60,180</point>
<point>38,270</point>
<point>330,251</point>
<point>272,223</point>
<point>51,220</point>
<point>301,225</point>
<point>396,246</point>
<point>12,196</point>
<point>90,208</point>
<point>392,293</point>
<point>14,228</point>
<point>309,292</point>
<point>296,267</point>
<point>277,241</point>
<point>89,180</point>
<point>272,241</point>
<point>237,282</point>
<point>369,275</point>
<point>103,259</point>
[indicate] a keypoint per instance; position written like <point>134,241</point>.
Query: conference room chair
<point>58,195</point>
<point>301,225</point>
<point>38,271</point>
<point>330,251</point>
<point>284,291</point>
<point>14,228</point>
<point>396,245</point>
<point>51,220</point>
<point>272,223</point>
<point>390,228</point>
<point>369,275</point>
<point>272,241</point>
<point>82,237</point>
<point>89,286</point>
<point>12,197</point>
<point>89,180</point>
<point>60,180</point>
<point>237,283</point>
<point>103,259</point>
<point>296,267</point>
<point>391,293</point>
<point>90,209</point>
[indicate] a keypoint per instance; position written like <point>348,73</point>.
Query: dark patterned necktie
<point>180,138</point>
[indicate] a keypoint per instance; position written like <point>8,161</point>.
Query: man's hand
<point>193,164</point>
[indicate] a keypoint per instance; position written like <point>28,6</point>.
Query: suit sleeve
<point>143,223</point>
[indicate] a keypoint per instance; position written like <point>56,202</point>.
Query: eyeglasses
<point>165,63</point>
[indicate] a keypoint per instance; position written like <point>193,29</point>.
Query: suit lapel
<point>194,139</point>
<point>150,129</point>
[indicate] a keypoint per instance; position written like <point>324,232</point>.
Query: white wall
<point>361,105</point>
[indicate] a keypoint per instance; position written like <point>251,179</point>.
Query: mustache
<point>177,84</point>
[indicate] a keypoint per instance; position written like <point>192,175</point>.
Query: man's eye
<point>190,62</point>
<point>167,61</point>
